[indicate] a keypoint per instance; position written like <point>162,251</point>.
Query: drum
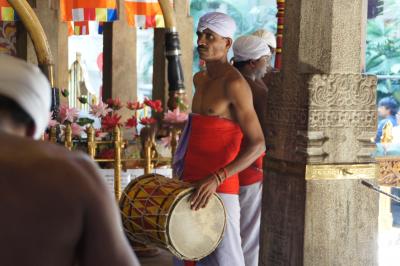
<point>156,210</point>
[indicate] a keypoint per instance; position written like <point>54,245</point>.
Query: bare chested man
<point>223,114</point>
<point>55,208</point>
<point>252,57</point>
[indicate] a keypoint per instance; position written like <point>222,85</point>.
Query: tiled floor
<point>163,259</point>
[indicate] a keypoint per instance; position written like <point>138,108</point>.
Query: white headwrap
<point>268,36</point>
<point>220,23</point>
<point>28,87</point>
<point>249,48</point>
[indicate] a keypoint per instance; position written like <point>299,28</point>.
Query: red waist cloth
<point>213,143</point>
<point>253,174</point>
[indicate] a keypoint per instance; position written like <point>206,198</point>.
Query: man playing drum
<point>55,208</point>
<point>252,57</point>
<point>208,153</point>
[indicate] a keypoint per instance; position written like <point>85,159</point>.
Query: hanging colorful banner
<point>85,28</point>
<point>78,28</point>
<point>101,28</point>
<point>7,13</point>
<point>89,10</point>
<point>144,14</point>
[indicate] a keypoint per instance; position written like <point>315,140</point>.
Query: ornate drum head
<point>156,210</point>
<point>195,234</point>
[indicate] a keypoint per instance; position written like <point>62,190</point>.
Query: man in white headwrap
<point>251,58</point>
<point>223,114</point>
<point>56,209</point>
<point>269,37</point>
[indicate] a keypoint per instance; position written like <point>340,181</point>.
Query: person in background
<point>252,57</point>
<point>387,110</point>
<point>270,39</point>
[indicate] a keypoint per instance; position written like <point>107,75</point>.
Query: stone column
<point>120,74</point>
<point>321,115</point>
<point>185,30</point>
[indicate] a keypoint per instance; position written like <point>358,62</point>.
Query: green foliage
<point>383,47</point>
<point>83,121</point>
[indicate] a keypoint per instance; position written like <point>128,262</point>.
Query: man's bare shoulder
<point>233,76</point>
<point>42,154</point>
<point>55,152</point>
<point>85,168</point>
<point>199,74</point>
<point>235,81</point>
<point>199,77</point>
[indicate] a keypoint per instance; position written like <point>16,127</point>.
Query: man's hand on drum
<point>204,189</point>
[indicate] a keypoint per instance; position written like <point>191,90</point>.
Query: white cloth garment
<point>220,23</point>
<point>250,215</point>
<point>229,251</point>
<point>28,87</point>
<point>268,36</point>
<point>250,48</point>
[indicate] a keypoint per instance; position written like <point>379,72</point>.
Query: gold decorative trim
<point>342,171</point>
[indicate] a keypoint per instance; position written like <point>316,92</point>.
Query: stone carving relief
<point>343,107</point>
<point>389,171</point>
<point>337,110</point>
<point>342,90</point>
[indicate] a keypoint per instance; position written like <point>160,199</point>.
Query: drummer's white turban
<point>268,36</point>
<point>249,48</point>
<point>220,23</point>
<point>28,87</point>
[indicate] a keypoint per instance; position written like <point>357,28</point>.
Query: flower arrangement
<point>66,116</point>
<point>108,113</point>
<point>175,117</point>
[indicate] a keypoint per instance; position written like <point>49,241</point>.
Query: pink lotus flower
<point>175,116</point>
<point>76,130</point>
<point>134,105</point>
<point>99,110</point>
<point>52,122</point>
<point>68,114</point>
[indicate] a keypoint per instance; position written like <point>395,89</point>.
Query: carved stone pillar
<point>320,118</point>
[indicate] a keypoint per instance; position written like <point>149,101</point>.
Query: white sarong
<point>250,215</point>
